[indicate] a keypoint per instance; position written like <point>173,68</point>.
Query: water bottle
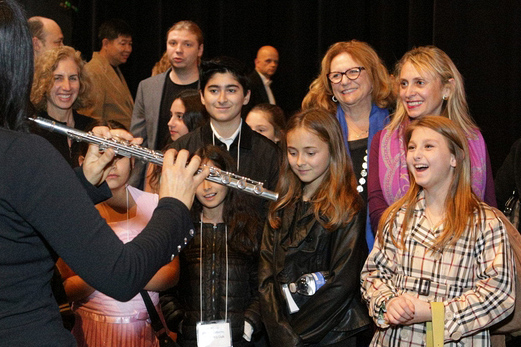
<point>308,284</point>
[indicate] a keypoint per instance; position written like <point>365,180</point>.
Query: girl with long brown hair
<point>317,225</point>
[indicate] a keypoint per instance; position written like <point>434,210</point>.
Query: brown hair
<point>461,202</point>
<point>189,26</point>
<point>336,200</point>
<point>320,91</point>
<point>162,65</point>
<point>434,62</point>
<point>43,81</point>
<point>275,117</point>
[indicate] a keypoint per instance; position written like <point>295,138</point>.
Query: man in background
<point>113,100</point>
<point>266,65</point>
<point>46,34</point>
<point>184,48</point>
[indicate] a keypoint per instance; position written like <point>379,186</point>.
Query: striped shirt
<point>473,278</point>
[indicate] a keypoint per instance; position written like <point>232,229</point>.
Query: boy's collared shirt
<point>229,140</point>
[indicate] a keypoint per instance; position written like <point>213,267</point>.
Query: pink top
<point>102,304</point>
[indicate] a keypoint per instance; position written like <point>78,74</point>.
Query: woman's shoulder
<point>23,143</point>
<point>7,137</point>
<point>33,160</point>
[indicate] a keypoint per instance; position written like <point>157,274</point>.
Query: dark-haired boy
<point>224,91</point>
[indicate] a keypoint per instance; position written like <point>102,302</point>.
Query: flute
<point>126,149</point>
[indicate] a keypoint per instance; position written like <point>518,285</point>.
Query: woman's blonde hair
<point>433,62</point>
<point>460,204</point>
<point>43,81</point>
<point>336,200</point>
<point>320,91</point>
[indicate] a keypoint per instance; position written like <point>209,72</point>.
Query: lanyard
<point>128,233</point>
<point>201,271</point>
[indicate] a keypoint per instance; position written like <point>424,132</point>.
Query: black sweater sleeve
<point>96,194</point>
<point>44,192</point>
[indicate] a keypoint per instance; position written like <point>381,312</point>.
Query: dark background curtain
<point>482,37</point>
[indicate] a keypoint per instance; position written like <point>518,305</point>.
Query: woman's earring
<point>334,99</point>
<point>445,97</point>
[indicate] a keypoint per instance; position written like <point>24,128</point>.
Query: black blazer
<point>258,92</point>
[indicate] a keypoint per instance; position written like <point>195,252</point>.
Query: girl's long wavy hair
<point>320,91</point>
<point>336,200</point>
<point>238,213</point>
<point>433,62</point>
<point>460,204</point>
<point>43,80</point>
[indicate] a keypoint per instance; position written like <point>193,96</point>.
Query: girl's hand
<point>407,309</point>
<point>95,164</point>
<point>422,310</point>
<point>178,179</point>
<point>400,310</point>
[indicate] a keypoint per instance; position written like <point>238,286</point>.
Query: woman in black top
<point>60,87</point>
<point>44,211</point>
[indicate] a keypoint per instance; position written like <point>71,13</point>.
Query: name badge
<point>214,334</point>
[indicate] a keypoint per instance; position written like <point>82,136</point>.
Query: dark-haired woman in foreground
<point>45,211</point>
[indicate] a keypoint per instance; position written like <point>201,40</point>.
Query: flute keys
<point>241,184</point>
<point>258,189</point>
<point>225,179</point>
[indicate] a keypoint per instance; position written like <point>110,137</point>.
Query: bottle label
<point>319,280</point>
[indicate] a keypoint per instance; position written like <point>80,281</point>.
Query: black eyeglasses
<point>352,74</point>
